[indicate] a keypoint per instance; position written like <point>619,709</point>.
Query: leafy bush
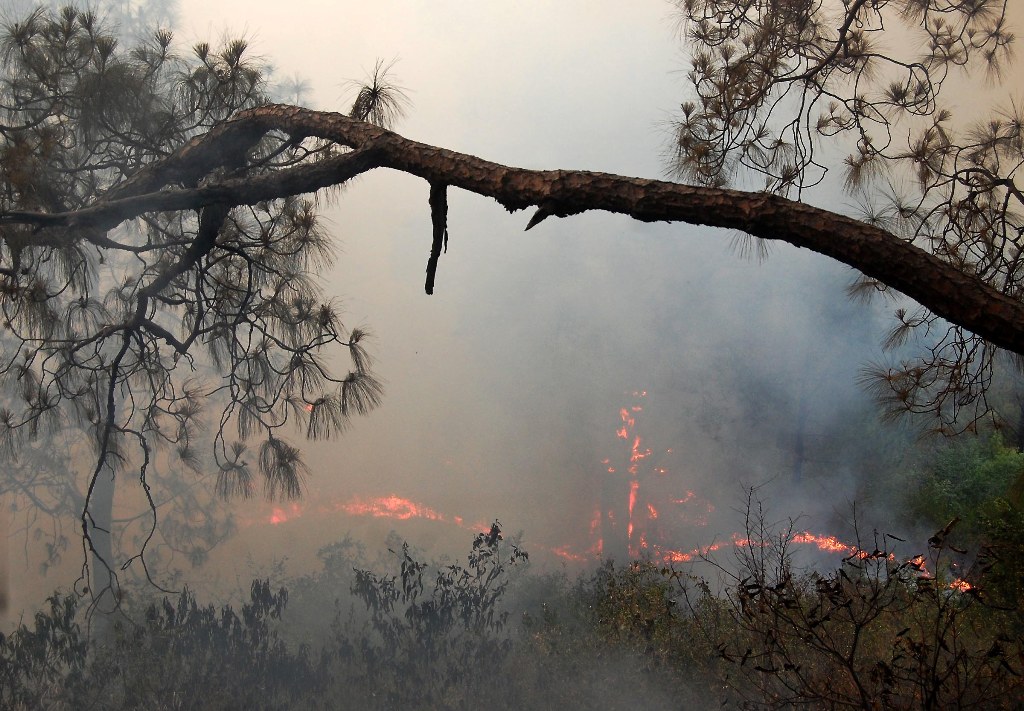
<point>879,631</point>
<point>980,484</point>
<point>437,638</point>
<point>40,666</point>
<point>199,657</point>
<point>182,655</point>
<point>965,480</point>
<point>616,640</point>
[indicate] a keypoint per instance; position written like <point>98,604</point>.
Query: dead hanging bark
<point>439,221</point>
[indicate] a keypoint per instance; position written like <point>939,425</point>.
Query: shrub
<point>437,636</point>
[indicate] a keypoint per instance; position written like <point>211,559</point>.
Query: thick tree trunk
<point>5,538</point>
<point>102,566</point>
<point>948,292</point>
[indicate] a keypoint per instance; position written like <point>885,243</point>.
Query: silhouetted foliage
<point>202,657</point>
<point>780,89</point>
<point>180,655</point>
<point>41,663</point>
<point>431,641</point>
<point>122,337</point>
<point>879,631</point>
<point>439,644</point>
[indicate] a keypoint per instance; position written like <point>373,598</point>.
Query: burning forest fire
<point>392,507</point>
<point>654,507</point>
<point>642,508</point>
<point>280,514</point>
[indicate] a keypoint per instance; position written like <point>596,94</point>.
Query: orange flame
<point>564,552</point>
<point>391,507</point>
<point>828,544</point>
<point>642,533</point>
<point>961,585</point>
<point>280,515</point>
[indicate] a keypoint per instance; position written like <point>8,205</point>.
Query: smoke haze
<point>503,390</point>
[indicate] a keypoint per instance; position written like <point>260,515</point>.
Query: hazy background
<point>503,389</point>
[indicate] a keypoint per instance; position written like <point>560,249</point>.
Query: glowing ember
<point>639,509</point>
<point>393,506</point>
<point>627,424</point>
<point>917,563</point>
<point>828,544</point>
<point>648,510</point>
<point>634,487</point>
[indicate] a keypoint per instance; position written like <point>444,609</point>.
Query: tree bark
<point>948,292</point>
<point>102,566</point>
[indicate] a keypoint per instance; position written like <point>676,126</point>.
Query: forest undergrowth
<point>882,629</point>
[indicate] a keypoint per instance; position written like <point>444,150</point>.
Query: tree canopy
<point>156,226</point>
<point>782,89</point>
<point>103,326</point>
